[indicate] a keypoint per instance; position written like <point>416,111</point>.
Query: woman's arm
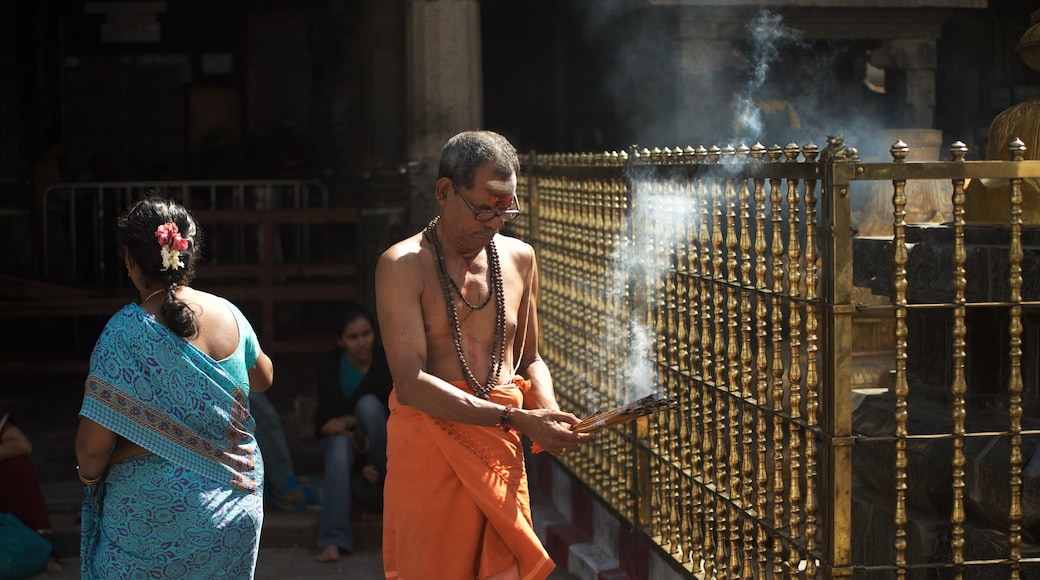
<point>261,376</point>
<point>94,445</point>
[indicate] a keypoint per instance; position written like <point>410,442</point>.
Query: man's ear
<point>444,190</point>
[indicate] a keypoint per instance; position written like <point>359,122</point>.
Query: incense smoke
<point>782,89</point>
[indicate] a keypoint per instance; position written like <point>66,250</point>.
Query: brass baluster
<point>794,373</point>
<point>732,386</point>
<point>718,459</point>
<point>707,359</point>
<point>697,369</point>
<point>747,469</point>
<point>688,525</point>
<point>762,367</point>
<point>711,263</point>
<point>899,152</point>
<point>812,379</point>
<point>959,388</point>
<point>661,527</point>
<point>671,304</point>
<point>1015,255</point>
<point>777,369</point>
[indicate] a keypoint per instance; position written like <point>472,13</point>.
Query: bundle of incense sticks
<point>623,414</point>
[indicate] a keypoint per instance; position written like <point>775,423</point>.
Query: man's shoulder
<point>516,255</point>
<point>406,249</point>
<point>511,244</point>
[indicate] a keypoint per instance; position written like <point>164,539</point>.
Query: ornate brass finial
<point>791,151</point>
<point>758,151</point>
<point>899,151</point>
<point>714,153</point>
<point>958,150</point>
<point>728,153</point>
<point>701,153</point>
<point>656,156</point>
<point>809,151</point>
<point>775,151</point>
<point>679,155</point>
<point>742,152</point>
<point>689,155</point>
<point>1017,149</point>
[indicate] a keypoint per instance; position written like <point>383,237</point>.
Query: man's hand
<point>551,430</point>
<point>339,425</point>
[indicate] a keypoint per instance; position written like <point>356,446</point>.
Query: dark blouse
<point>330,398</point>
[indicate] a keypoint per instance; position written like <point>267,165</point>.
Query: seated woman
<point>20,493</point>
<point>351,425</point>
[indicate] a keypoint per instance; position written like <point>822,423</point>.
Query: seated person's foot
<point>53,562</point>
<point>371,473</point>
<point>328,554</point>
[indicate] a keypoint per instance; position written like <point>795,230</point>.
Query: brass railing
<point>723,278</point>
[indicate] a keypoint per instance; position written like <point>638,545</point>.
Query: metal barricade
<point>79,216</point>
<point>275,247</point>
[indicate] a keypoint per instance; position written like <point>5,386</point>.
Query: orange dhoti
<point>456,499</point>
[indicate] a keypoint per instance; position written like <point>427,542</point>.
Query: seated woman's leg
<point>335,529</point>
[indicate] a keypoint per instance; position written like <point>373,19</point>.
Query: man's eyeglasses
<point>486,214</point>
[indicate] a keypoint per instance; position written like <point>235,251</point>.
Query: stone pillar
<point>917,60</point>
<point>444,88</point>
<point>337,116</point>
<point>708,57</point>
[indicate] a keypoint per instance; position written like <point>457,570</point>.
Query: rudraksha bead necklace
<point>450,289</point>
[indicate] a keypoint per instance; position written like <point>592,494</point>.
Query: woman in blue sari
<point>165,445</point>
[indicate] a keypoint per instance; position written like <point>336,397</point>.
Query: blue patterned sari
<point>192,508</point>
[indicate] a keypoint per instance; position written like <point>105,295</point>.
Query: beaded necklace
<point>450,288</point>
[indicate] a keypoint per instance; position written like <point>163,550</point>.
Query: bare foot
<point>328,554</point>
<point>53,564</point>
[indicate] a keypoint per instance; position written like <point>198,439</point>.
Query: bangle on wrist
<point>88,480</point>
<point>503,420</point>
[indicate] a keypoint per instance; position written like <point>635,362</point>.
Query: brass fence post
<point>836,421</point>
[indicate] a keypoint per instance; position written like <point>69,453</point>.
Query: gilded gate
<point>733,280</point>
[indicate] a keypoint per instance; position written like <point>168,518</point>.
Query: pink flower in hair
<point>164,232</point>
<point>171,244</point>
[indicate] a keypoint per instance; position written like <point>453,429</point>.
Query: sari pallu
<point>456,502</point>
<point>193,507</point>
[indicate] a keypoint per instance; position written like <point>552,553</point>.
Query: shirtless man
<point>457,309</point>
